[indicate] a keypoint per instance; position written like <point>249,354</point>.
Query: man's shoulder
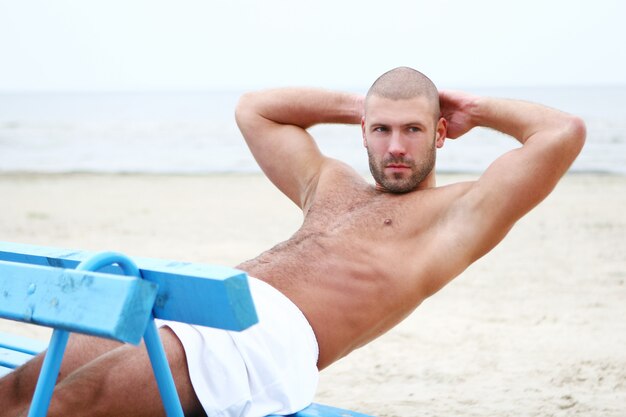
<point>335,181</point>
<point>453,198</point>
<point>339,174</point>
<point>456,188</point>
<point>440,206</point>
<point>446,194</point>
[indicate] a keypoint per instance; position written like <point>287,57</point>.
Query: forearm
<point>302,107</point>
<point>519,179</point>
<point>522,120</point>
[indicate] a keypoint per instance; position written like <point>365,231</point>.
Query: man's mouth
<point>397,167</point>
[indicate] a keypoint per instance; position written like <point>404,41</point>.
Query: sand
<point>535,328</point>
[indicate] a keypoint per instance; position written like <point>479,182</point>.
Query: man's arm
<point>517,181</point>
<point>274,124</point>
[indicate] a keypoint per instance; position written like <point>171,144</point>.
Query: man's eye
<point>414,129</point>
<point>380,129</point>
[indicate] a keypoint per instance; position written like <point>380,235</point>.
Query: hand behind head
<point>456,108</point>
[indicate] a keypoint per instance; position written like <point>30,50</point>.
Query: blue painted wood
<point>207,295</point>
<point>17,350</point>
<point>224,291</point>
<point>319,410</point>
<point>52,360</point>
<point>5,371</point>
<point>22,344</point>
<point>12,359</point>
<point>221,303</point>
<point>41,255</point>
<point>106,305</point>
<point>314,410</point>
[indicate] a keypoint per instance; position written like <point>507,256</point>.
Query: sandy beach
<point>535,328</point>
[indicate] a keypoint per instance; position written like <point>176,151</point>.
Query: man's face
<point>400,137</point>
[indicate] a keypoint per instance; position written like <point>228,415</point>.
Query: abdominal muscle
<point>352,271</point>
<point>347,300</point>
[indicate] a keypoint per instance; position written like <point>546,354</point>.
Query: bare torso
<point>362,260</point>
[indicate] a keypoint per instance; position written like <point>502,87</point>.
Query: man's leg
<point>121,383</point>
<point>18,387</point>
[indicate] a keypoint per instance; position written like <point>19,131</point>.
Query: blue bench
<point>112,296</point>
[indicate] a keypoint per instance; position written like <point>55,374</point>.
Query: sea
<point>195,133</point>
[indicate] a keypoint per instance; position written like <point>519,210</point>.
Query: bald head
<point>404,83</point>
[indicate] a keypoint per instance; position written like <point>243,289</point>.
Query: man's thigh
<point>121,382</point>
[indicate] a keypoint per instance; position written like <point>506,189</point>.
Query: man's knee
<point>107,378</point>
<point>9,390</point>
<point>177,360</point>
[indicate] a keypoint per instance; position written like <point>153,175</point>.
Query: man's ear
<point>442,130</point>
<point>363,131</point>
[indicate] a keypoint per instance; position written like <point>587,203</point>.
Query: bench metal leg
<point>162,371</point>
<point>49,373</point>
<point>161,368</point>
<point>52,361</point>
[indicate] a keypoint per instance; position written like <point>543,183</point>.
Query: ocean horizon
<point>195,133</point>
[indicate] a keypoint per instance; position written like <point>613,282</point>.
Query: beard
<point>398,182</point>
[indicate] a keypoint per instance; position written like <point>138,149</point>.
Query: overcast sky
<point>206,45</point>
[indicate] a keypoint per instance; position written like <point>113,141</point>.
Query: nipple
<point>388,222</point>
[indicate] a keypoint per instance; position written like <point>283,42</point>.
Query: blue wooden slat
<point>48,256</point>
<point>187,294</point>
<point>112,306</point>
<point>22,344</point>
<point>207,295</point>
<point>5,371</point>
<point>319,410</point>
<point>12,359</point>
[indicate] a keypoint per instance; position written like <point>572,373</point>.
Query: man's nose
<point>396,145</point>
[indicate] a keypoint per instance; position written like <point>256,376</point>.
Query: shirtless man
<point>366,256</point>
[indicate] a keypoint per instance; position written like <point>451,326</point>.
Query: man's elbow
<point>246,108</point>
<point>576,133</point>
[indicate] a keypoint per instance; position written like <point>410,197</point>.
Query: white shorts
<point>270,368</point>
